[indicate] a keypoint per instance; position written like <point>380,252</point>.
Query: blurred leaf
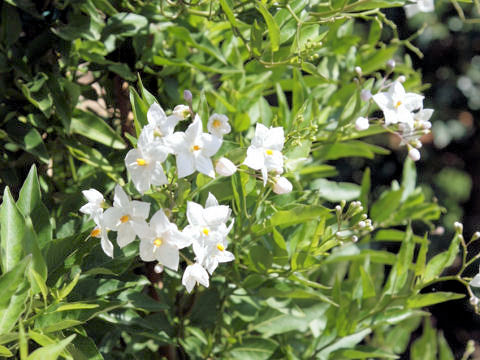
<point>95,128</point>
<point>336,191</point>
<point>253,348</point>
<point>51,352</point>
<point>422,300</point>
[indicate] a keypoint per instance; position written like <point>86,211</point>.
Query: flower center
<point>196,147</point>
<point>95,232</point>
<point>397,104</point>
<point>157,133</point>
<point>158,242</point>
<point>124,219</point>
<point>205,231</point>
<point>269,152</point>
<point>220,247</point>
<point>217,123</point>
<point>141,162</point>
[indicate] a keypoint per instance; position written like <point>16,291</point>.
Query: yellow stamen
<point>205,231</point>
<point>217,123</point>
<point>196,147</point>
<point>157,133</point>
<point>220,247</point>
<point>158,242</point>
<point>95,232</point>
<point>124,218</point>
<point>398,104</point>
<point>141,162</point>
<point>269,152</point>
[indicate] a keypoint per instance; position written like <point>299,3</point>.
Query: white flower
<point>218,125</point>
<point>422,118</point>
<point>144,162</point>
<point>365,95</point>
<point>397,106</point>
<point>419,6</point>
<point>161,241</point>
<point>211,253</point>
<point>193,149</point>
<point>281,185</point>
<point>181,112</point>
<point>126,216</point>
<point>101,231</point>
<point>94,207</point>
<point>160,125</point>
<point>194,274</point>
<point>208,230</point>
<point>225,167</point>
<point>361,124</point>
<point>475,282</point>
<point>264,153</point>
<point>414,154</point>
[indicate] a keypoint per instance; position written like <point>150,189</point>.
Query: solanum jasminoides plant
<point>200,184</point>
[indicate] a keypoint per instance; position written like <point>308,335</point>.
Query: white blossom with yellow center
<point>265,151</point>
<point>193,149</point>
<point>208,231</point>
<point>218,125</point>
<point>126,217</point>
<point>95,204</point>
<point>397,105</point>
<point>161,240</point>
<point>194,274</point>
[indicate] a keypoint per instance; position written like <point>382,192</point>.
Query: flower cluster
<point>207,229</point>
<point>160,239</point>
<point>265,154</point>
<point>404,115</point>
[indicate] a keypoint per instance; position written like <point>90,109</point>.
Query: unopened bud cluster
<point>352,221</point>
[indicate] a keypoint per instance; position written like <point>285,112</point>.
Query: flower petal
<point>255,158</point>
<point>185,164</point>
<point>168,255</point>
<point>204,165</point>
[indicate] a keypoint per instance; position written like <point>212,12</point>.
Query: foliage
<point>308,281</point>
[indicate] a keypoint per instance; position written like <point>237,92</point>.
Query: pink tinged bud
<point>281,185</point>
<point>365,95</point>
<point>402,79</point>
<point>474,300</point>
<point>158,268</point>
<point>391,64</point>
<point>361,124</point>
<point>414,154</point>
<point>225,167</point>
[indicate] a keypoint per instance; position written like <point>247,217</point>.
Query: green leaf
<point>12,280</point>
<point>228,11</point>
<point>444,351</point>
<point>384,208</point>
<point>5,352</point>
<point>125,24</point>
<point>409,178</point>
<point>89,156</point>
<point>12,232</point>
<point>345,342</point>
<point>51,352</point>
<point>365,188</point>
<point>260,258</point>
<point>95,128</point>
<point>253,348</point>
<point>16,306</point>
<point>363,352</point>
<point>336,191</point>
<point>140,109</point>
<point>425,348</point>
<point>441,261</point>
<point>368,286</point>
<point>422,300</point>
<point>30,204</point>
<point>273,29</point>
<point>349,149</point>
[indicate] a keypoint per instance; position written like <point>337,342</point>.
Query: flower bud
<point>282,185</point>
<point>391,64</point>
<point>401,79</point>
<point>361,224</point>
<point>187,96</point>
<point>338,208</point>
<point>361,124</point>
<point>365,95</point>
<point>158,268</point>
<point>225,167</point>
<point>358,70</point>
<point>475,235</point>
<point>414,154</point>
<point>181,112</point>
<point>474,300</point>
<point>354,238</point>
<point>458,226</point>
<point>426,125</point>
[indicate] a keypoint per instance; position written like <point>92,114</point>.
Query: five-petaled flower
<point>265,151</point>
